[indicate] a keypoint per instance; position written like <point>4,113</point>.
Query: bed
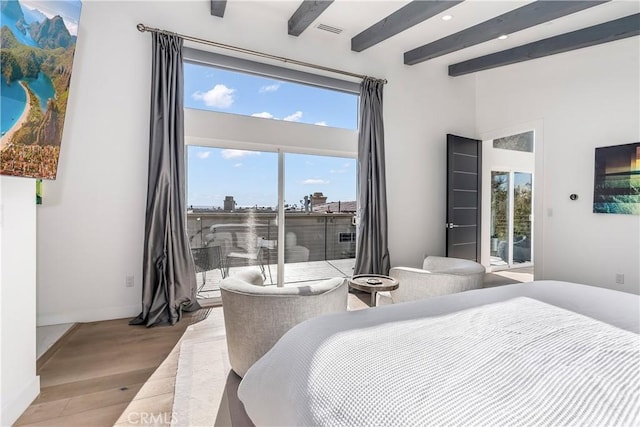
<point>538,353</point>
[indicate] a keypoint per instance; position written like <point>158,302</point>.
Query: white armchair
<point>438,276</point>
<point>255,317</point>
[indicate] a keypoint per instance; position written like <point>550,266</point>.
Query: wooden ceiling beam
<point>218,7</point>
<point>308,11</point>
<point>526,16</point>
<point>406,17</point>
<point>617,29</point>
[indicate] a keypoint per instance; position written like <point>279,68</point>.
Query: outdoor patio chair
<point>207,259</point>
<point>252,256</point>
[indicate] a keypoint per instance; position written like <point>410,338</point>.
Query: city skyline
<point>251,177</point>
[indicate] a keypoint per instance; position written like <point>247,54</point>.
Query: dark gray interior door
<point>464,160</point>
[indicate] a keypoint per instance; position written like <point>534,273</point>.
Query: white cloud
<point>203,154</point>
<point>270,88</point>
<point>312,181</point>
<point>234,154</point>
<point>237,165</point>
<point>71,26</point>
<point>322,123</point>
<point>220,96</point>
<point>264,115</point>
<point>295,117</point>
<point>343,169</point>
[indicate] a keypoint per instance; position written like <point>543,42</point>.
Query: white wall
<point>19,383</point>
<point>583,99</point>
<point>91,226</point>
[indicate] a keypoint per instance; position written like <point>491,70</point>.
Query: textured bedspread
<point>516,362</point>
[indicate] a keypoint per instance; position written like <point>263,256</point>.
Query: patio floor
<point>295,273</point>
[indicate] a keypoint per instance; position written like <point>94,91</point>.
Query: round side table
<point>373,283</point>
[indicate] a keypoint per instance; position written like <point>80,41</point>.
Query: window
<point>233,204</point>
<point>290,228</point>
<point>347,237</point>
<point>217,89</point>
<point>519,142</point>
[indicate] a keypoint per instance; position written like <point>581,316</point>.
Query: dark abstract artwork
<point>617,179</point>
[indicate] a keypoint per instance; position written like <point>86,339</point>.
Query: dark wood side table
<point>373,283</point>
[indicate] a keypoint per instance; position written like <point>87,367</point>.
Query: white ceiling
<point>354,16</point>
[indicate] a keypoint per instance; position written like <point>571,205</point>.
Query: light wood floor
<point>97,369</point>
<point>205,386</point>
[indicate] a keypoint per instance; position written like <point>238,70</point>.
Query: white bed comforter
<point>514,362</point>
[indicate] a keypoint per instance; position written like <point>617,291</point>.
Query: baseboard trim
<point>89,315</point>
<point>55,347</point>
<point>12,410</point>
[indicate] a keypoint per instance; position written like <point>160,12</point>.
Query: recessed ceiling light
<point>503,37</point>
<point>447,17</point>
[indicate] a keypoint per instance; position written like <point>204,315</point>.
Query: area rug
<point>204,394</point>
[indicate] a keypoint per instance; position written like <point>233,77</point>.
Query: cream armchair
<point>255,317</point>
<point>438,276</point>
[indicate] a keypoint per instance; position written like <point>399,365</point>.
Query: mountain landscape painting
<point>37,44</point>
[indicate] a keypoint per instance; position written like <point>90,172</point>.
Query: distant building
<point>336,207</point>
<point>318,199</point>
<point>229,203</point>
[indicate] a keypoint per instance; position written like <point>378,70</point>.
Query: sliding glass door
<point>511,218</point>
<point>232,212</point>
<point>233,217</point>
<point>320,204</point>
<point>522,218</point>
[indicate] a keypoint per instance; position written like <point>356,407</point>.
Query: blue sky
<point>252,177</point>
<point>208,88</point>
<point>69,10</point>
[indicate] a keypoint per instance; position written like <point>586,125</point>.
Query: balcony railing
<point>317,245</point>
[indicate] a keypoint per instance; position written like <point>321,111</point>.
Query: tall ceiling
<point>472,31</point>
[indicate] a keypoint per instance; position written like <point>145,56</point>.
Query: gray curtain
<point>373,251</point>
<point>169,276</point>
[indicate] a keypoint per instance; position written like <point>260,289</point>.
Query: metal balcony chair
<point>207,259</point>
<point>253,256</point>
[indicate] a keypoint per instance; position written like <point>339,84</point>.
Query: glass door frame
<point>281,152</point>
<point>510,219</point>
<point>496,159</point>
<point>281,219</point>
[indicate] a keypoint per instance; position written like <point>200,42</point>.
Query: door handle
<point>452,225</point>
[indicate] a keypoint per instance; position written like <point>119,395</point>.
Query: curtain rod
<point>143,28</point>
